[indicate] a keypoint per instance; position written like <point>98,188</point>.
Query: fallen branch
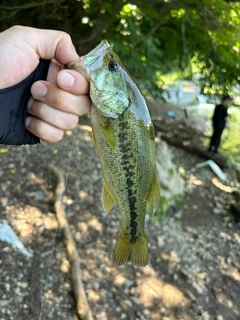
<point>183,144</point>
<point>180,128</point>
<point>83,310</point>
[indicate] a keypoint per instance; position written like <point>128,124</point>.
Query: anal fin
<point>108,199</point>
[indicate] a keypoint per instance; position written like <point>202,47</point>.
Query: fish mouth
<point>90,61</point>
<point>96,52</point>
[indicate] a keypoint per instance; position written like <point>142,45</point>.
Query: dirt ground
<point>194,263</point>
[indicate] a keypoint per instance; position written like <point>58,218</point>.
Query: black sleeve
<point>13,108</point>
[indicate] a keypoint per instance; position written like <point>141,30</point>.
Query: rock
<point>4,303</point>
<point>95,285</point>
<point>23,285</point>
<point>8,286</point>
<point>226,219</point>
<point>220,317</point>
<point>4,202</point>
<point>198,288</point>
<point>77,236</point>
<point>31,176</point>
<point>225,236</point>
<point>160,241</point>
<point>136,301</point>
<point>175,277</point>
<point>217,210</point>
<point>128,283</point>
<point>229,260</point>
<point>174,257</point>
<point>146,312</point>
<point>17,291</point>
<point>172,186</point>
<point>37,195</point>
<point>202,275</point>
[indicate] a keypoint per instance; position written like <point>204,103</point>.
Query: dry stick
<point>83,310</point>
<point>190,147</point>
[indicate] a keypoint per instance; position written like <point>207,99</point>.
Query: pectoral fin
<point>108,199</point>
<point>94,141</point>
<point>109,133</point>
<point>154,196</point>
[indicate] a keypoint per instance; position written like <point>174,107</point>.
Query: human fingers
<point>22,47</point>
<point>45,131</point>
<point>54,117</point>
<point>52,95</point>
<point>72,81</point>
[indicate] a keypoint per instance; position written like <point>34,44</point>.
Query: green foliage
<point>170,172</point>
<point>178,223</point>
<point>230,144</point>
<point>164,206</point>
<point>153,38</point>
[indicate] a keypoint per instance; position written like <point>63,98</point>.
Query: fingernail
<point>65,79</point>
<point>30,103</point>
<point>39,90</point>
<point>28,121</point>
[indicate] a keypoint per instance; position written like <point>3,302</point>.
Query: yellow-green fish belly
<point>126,149</point>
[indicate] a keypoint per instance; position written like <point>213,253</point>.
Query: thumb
<point>52,44</point>
<point>22,47</point>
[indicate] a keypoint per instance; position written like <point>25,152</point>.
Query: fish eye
<point>113,66</point>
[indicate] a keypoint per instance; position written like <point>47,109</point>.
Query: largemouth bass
<point>123,135</point>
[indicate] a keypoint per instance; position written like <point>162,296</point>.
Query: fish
<point>124,140</point>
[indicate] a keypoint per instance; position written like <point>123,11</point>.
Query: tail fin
<point>125,251</point>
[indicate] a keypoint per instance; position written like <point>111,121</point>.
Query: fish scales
<point>123,135</point>
<point>129,172</point>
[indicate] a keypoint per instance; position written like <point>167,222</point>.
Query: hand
<point>58,102</point>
